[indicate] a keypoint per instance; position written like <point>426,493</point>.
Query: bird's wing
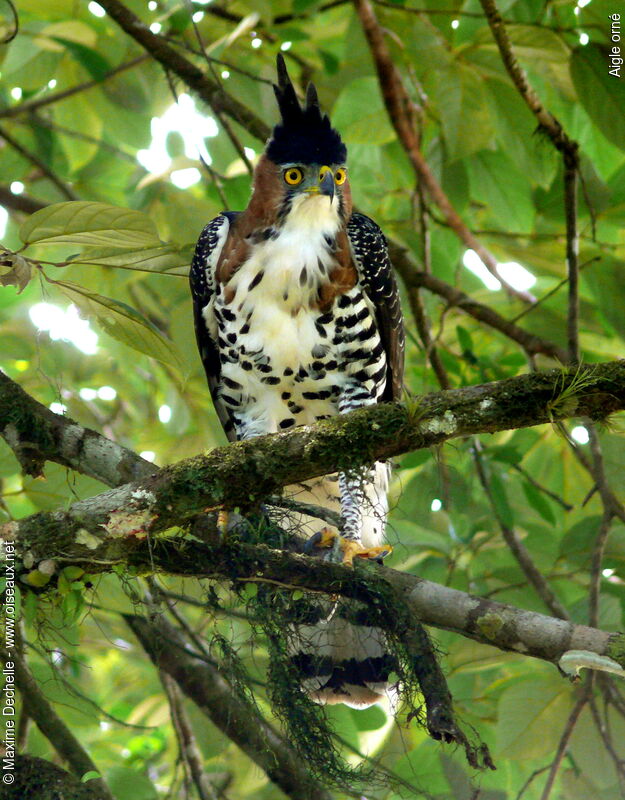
<point>203,283</point>
<point>375,270</point>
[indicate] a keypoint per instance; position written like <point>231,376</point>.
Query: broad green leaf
<point>360,114</point>
<point>76,113</point>
<point>531,717</point>
<point>121,322</point>
<point>601,94</point>
<point>96,224</point>
<point>500,499</point>
<point>170,259</point>
<point>69,31</point>
<point>605,280</point>
<point>465,114</point>
<point>539,502</point>
<point>529,44</point>
<point>128,784</point>
<point>95,63</point>
<point>505,191</point>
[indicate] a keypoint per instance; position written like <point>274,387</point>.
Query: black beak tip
<point>327,185</point>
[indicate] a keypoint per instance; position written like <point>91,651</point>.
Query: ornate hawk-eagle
<point>297,318</point>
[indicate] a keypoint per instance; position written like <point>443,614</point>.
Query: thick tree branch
<point>401,113</point>
<point>503,626</point>
<point>36,435</point>
<point>238,720</point>
<point>414,278</point>
<point>38,778</point>
<point>243,474</point>
<point>485,621</point>
<point>209,91</point>
<point>19,202</point>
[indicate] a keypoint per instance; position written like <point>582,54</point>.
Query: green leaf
<point>539,502</point>
<point>95,63</point>
<point>605,280</point>
<point>504,190</point>
<point>531,717</point>
<point>601,94</point>
<point>369,719</point>
<point>95,224</point>
<point>464,338</point>
<point>534,44</point>
<point>170,259</point>
<point>127,784</point>
<point>465,113</point>
<point>500,499</point>
<point>360,114</point>
<point>122,323</point>
<point>90,776</point>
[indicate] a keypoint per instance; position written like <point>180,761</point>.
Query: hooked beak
<point>327,185</point>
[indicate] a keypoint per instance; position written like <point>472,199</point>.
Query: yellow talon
<point>327,538</point>
<point>222,521</point>
<point>352,550</point>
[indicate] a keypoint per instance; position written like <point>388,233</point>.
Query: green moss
<point>489,625</point>
<point>616,648</point>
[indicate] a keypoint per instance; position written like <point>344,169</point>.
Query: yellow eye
<point>293,176</point>
<point>340,176</point>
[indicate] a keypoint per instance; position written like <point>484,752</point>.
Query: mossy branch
<point>242,475</point>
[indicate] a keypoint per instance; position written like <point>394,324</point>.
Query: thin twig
<point>207,90</point>
<point>530,479</point>
<point>53,727</point>
<point>55,97</point>
<point>594,592</point>
<point>41,165</point>
<point>565,738</point>
<point>570,152</point>
<point>517,548</point>
<point>401,112</point>
<point>187,745</point>
<point>412,277</point>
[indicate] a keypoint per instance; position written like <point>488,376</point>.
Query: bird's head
<point>302,172</point>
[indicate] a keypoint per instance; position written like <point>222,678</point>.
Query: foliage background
<point>505,180</point>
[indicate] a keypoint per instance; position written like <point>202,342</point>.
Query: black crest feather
<point>304,135</point>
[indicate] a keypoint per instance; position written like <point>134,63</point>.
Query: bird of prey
<point>297,319</point>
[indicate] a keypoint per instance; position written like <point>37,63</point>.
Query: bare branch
<point>516,546</point>
<point>36,435</point>
<point>37,162</point>
<point>55,97</point>
<point>402,115</point>
<point>565,738</point>
<point>208,90</point>
<point>414,278</point>
<point>19,202</point>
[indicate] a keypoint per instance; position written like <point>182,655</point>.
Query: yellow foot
<point>222,522</point>
<point>352,550</point>
<point>326,538</point>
